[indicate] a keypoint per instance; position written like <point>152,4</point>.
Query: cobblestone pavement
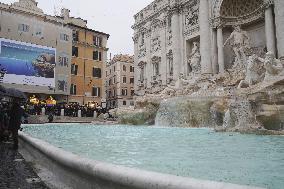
<point>15,172</point>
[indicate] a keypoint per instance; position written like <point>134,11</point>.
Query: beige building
<point>35,50</point>
<point>89,54</point>
<point>120,81</point>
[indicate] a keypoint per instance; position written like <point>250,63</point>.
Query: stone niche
<point>257,41</point>
<point>189,47</point>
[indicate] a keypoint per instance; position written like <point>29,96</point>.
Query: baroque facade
<point>202,37</point>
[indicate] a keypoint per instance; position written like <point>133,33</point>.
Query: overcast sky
<point>114,17</point>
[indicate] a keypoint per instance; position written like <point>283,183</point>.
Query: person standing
<point>16,114</point>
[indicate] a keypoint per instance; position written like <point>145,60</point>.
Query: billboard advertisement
<point>27,64</point>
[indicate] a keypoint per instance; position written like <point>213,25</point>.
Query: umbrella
<point>15,93</point>
<point>2,89</point>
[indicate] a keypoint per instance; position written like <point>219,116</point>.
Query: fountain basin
<point>192,153</point>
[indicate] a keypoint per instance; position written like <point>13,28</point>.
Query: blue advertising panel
<point>27,64</point>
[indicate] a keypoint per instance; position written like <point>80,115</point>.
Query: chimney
<point>65,13</point>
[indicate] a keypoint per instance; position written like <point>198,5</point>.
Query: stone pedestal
<point>205,41</point>
<point>270,30</point>
<point>43,111</point>
<point>79,113</point>
<point>95,114</point>
<point>62,112</point>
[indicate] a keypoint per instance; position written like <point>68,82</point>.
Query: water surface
<point>198,153</point>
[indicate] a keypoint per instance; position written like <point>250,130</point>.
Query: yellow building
<point>89,56</point>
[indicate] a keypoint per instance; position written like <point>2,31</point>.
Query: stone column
<point>205,46</point>
<point>214,52</point>
<point>62,112</point>
<point>176,43</point>
<point>270,30</point>
<point>220,43</point>
<point>279,22</point>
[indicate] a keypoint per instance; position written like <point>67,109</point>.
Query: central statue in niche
<point>239,41</point>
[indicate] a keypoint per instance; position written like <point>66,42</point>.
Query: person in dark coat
<point>16,114</point>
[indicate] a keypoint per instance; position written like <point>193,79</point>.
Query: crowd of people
<point>13,114</point>
<point>70,109</point>
<point>11,117</point>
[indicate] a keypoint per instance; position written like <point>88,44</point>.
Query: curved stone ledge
<point>77,172</point>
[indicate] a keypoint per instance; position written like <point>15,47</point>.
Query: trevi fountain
<point>215,63</point>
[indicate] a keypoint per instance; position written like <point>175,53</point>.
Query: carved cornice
<point>156,59</point>
<point>28,6</point>
<point>142,64</point>
<point>268,3</point>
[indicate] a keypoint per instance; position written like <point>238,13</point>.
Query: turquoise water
<point>198,153</point>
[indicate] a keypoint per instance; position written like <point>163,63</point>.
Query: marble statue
<point>252,73</point>
<point>239,41</point>
<point>273,66</point>
<point>194,59</point>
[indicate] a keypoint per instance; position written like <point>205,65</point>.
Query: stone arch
<point>239,8</point>
<point>232,12</point>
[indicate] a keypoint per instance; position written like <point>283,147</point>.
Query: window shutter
<point>99,91</point>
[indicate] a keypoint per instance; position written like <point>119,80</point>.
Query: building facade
<point>35,50</point>
<point>89,57</point>
<point>189,37</point>
<point>120,82</point>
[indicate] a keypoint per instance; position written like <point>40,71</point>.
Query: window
<point>96,91</point>
<point>106,73</point>
<point>114,68</point>
<point>75,51</point>
<point>114,80</point>
<point>132,92</point>
<point>23,28</point>
<point>124,92</point>
<point>73,89</point>
<point>124,79</point>
<point>38,31</point>
<point>124,68</point>
<point>131,69</point>
<point>109,82</point>
<point>97,41</point>
<point>131,103</point>
<point>97,72</point>
<point>63,60</point>
<point>124,103</point>
<point>132,80</point>
<point>97,55</point>
<point>74,69</point>
<point>109,94</point>
<point>64,37</point>
<point>75,36</point>
<point>114,93</point>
